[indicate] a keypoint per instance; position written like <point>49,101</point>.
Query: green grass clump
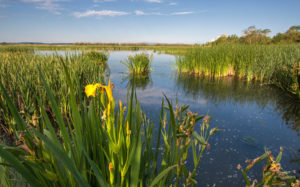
<point>275,64</point>
<point>96,143</point>
<point>139,63</point>
<point>97,56</point>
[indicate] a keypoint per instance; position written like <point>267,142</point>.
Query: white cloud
<point>182,13</point>
<point>31,1</point>
<point>101,1</point>
<point>139,13</point>
<point>172,4</point>
<point>49,5</point>
<point>154,1</point>
<point>100,13</point>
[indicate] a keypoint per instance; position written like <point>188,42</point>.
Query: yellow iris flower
<point>90,90</point>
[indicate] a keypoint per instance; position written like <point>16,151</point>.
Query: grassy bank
<point>275,64</point>
<point>170,49</point>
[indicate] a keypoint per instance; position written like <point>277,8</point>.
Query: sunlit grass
<point>277,65</point>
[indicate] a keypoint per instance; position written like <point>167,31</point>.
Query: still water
<point>253,116</point>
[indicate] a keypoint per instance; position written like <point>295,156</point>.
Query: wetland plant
<point>273,173</point>
<point>139,63</point>
<point>96,56</point>
<point>273,64</point>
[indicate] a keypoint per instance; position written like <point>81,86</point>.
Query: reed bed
<point>139,64</point>
<point>97,143</point>
<point>279,65</point>
<point>19,75</point>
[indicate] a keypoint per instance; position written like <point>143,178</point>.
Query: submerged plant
<point>139,63</point>
<point>95,143</point>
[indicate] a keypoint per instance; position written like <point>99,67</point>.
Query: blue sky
<point>166,21</point>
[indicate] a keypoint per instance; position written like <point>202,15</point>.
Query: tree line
<point>252,35</point>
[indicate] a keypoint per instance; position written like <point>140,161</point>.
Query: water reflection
<point>240,92</point>
<point>289,109</point>
<point>140,81</point>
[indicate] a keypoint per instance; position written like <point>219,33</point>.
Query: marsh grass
<point>275,64</point>
<point>139,64</point>
<point>19,75</point>
<point>96,56</point>
<point>95,143</point>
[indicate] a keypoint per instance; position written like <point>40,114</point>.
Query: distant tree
<point>292,35</point>
<point>255,36</point>
<point>279,38</point>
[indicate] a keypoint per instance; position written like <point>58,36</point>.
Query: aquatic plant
<point>139,63</point>
<point>273,173</point>
<point>96,55</point>
<point>95,143</point>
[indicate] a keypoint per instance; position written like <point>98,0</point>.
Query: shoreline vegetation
<point>278,65</point>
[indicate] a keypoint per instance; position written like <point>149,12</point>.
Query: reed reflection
<point>229,89</point>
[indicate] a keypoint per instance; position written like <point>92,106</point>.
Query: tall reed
<point>278,64</point>
<point>19,74</point>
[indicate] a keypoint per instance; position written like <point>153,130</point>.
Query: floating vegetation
<point>95,143</point>
<point>278,65</point>
<point>139,63</point>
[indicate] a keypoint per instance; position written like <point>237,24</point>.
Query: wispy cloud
<point>100,13</point>
<point>112,13</point>
<point>49,5</point>
<point>139,13</point>
<point>172,4</point>
<point>182,13</point>
<point>101,1</point>
<point>154,1</point>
